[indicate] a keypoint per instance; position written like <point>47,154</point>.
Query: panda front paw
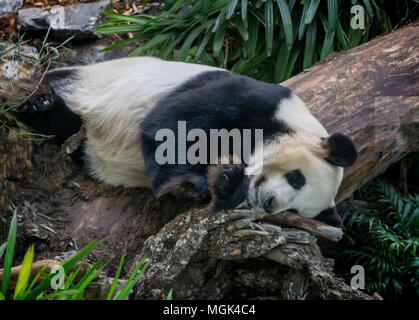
<point>43,103</point>
<point>228,185</point>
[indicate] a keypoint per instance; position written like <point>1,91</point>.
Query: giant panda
<point>124,103</point>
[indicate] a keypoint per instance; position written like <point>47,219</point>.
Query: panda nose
<point>269,204</point>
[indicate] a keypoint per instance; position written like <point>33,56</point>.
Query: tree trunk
<point>369,93</point>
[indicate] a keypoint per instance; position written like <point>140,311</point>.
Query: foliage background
<point>270,40</point>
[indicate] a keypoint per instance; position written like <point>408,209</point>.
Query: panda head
<point>301,173</point>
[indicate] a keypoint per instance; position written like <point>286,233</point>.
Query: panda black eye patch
<point>296,179</point>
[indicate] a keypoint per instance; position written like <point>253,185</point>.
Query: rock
<point>7,7</point>
<point>84,54</point>
<point>18,63</point>
<point>78,20</point>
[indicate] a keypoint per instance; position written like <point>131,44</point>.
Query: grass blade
<point>67,265</point>
<point>115,280</point>
<point>24,274</point>
<point>8,258</point>
<point>133,279</point>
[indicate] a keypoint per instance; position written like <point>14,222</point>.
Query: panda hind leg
<point>49,115</point>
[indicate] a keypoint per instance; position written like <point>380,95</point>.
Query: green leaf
<point>150,44</point>
<point>269,26</point>
<point>303,25</point>
<point>135,19</point>
<point>64,293</point>
<point>281,64</point>
<point>369,8</point>
<point>314,4</point>
<point>231,8</point>
<point>242,28</point>
<point>219,39</point>
<point>24,274</point>
<point>115,280</point>
<point>170,295</point>
<point>67,265</point>
<point>133,279</point>
<point>253,36</point>
<point>2,248</point>
<point>203,44</point>
<point>120,43</point>
<point>206,4</point>
<point>186,46</point>
<point>8,258</point>
<point>310,44</point>
<point>244,9</point>
<point>342,37</point>
<point>286,21</point>
<point>332,10</point>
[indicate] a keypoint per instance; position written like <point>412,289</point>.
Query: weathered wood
<point>291,219</point>
<point>370,93</point>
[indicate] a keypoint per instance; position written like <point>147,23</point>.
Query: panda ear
<point>341,150</point>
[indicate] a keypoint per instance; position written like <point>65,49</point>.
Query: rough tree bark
<point>370,93</point>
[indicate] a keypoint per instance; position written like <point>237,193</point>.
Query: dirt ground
<point>61,209</point>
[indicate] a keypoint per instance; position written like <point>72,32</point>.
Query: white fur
<point>295,113</point>
<point>113,98</point>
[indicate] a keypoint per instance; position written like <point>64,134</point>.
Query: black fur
<point>342,151</point>
<point>296,179</point>
<point>212,100</point>
<point>48,114</point>
<point>331,217</point>
<point>229,186</point>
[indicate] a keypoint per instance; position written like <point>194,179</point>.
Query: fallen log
<point>369,93</point>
